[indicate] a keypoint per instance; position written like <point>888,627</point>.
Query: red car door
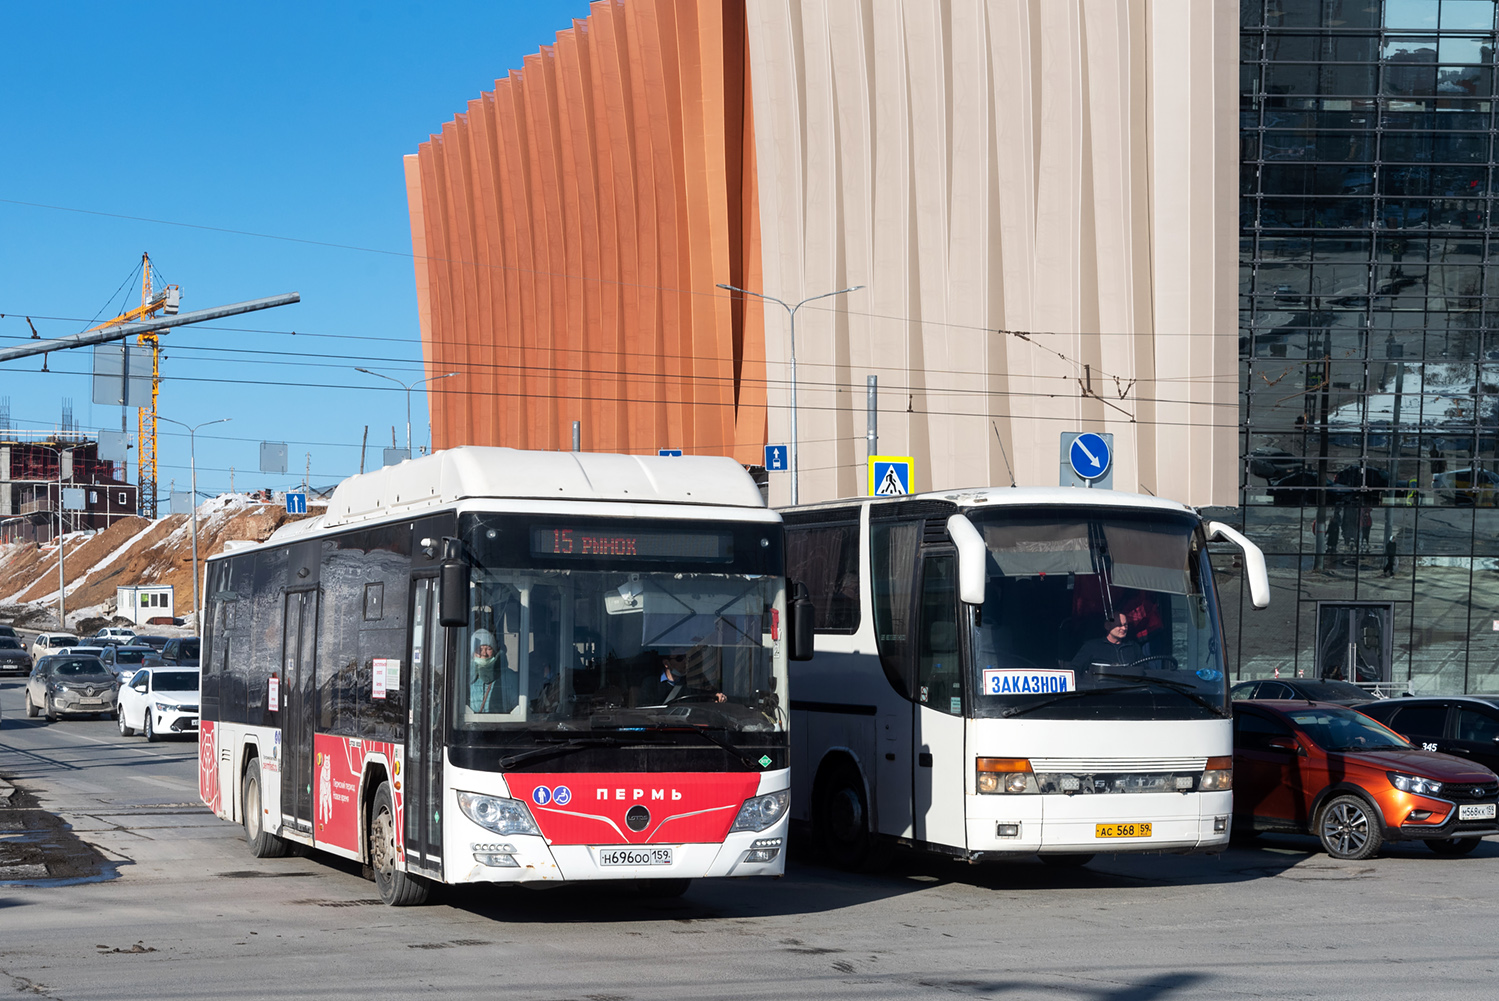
<point>1267,770</point>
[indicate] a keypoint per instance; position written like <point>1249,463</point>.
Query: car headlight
<point>1004,775</point>
<point>759,812</point>
<point>164,707</point>
<point>503,816</point>
<point>1414,784</point>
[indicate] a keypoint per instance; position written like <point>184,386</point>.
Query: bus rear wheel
<point>263,844</point>
<point>397,888</point>
<point>842,824</point>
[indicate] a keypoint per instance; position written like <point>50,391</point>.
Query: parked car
<point>82,650</point>
<point>71,685</point>
<point>154,642</point>
<point>1463,725</point>
<point>13,656</point>
<point>9,631</point>
<point>50,643</point>
<point>114,632</point>
<point>181,651</point>
<point>1466,487</point>
<point>160,701</point>
<point>124,661</point>
<point>1341,693</point>
<point>1331,771</point>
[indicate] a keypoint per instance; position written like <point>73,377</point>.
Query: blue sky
<point>270,118</point>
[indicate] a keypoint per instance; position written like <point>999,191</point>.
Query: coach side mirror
<point>972,556</point>
<point>1255,573</point>
<point>801,621</point>
<point>452,587</point>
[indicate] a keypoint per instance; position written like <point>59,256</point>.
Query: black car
<point>13,656</point>
<point>181,651</point>
<point>1463,725</point>
<point>154,642</point>
<point>1337,692</point>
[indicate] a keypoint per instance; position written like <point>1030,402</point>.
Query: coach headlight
<point>503,816</point>
<point>1004,775</point>
<point>760,812</point>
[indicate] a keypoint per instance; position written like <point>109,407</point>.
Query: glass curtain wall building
<point>1369,340</point>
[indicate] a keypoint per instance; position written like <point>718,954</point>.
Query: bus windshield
<point>1096,615</point>
<point>620,625</point>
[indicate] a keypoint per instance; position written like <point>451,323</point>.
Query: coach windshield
<point>625,626</point>
<point>1094,614</point>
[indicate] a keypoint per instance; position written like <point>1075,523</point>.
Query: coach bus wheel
<point>842,824</point>
<point>398,889</point>
<point>263,844</point>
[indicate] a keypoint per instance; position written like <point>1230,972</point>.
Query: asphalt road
<point>162,900</point>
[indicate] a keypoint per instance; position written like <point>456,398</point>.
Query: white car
<point>115,632</point>
<point>47,644</point>
<point>160,701</point>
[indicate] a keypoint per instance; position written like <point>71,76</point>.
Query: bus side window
<point>826,559</point>
<point>939,682</point>
<point>893,546</point>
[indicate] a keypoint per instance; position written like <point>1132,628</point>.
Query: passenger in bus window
<point>495,687</point>
<point>1113,648</point>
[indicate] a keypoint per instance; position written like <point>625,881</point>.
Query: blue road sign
<point>296,503</point>
<point>889,475</point>
<point>1089,456</point>
<point>775,458</point>
<point>671,453</point>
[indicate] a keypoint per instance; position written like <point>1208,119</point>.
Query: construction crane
<point>165,300</point>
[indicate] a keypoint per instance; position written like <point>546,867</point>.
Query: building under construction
<point>88,492</point>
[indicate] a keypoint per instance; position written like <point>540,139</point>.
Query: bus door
<point>938,738</point>
<point>297,695</point>
<point>424,735</point>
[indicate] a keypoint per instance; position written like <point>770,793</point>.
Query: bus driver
<point>1114,648</point>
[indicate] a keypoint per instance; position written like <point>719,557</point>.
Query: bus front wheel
<point>397,888</point>
<point>843,824</point>
<point>263,844</point>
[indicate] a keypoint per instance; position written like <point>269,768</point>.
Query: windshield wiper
<point>1022,710</point>
<point>564,747</point>
<point>1181,688</point>
<point>701,731</point>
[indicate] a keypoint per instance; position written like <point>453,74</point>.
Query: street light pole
<point>408,389</point>
<point>192,439</point>
<point>791,311</point>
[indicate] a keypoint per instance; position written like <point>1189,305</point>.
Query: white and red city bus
<point>491,665</point>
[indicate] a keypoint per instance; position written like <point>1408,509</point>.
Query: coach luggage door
<point>296,694</point>
<point>424,734</point>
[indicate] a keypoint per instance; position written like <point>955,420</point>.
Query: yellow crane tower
<point>165,300</point>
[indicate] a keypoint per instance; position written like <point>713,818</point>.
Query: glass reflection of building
<point>1369,341</point>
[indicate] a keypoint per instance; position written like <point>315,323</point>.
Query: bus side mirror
<point>972,555</point>
<point>1254,562</point>
<point>801,621</point>
<point>452,593</point>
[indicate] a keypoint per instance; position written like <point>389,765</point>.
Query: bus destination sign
<point>589,543</point>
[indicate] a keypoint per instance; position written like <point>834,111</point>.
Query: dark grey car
<point>1462,725</point>
<point>181,651</point>
<point>13,656</point>
<point>1337,692</point>
<point>66,685</point>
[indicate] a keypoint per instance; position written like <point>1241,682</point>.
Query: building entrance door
<point>1355,641</point>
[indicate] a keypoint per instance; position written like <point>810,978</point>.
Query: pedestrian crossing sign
<point>890,475</point>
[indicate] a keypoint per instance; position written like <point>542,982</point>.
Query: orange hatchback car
<point>1331,771</point>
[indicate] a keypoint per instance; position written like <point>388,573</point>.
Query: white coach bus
<point>1011,671</point>
<point>490,665</point>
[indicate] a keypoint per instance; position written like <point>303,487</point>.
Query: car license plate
<point>90,702</point>
<point>634,856</point>
<point>1476,811</point>
<point>1121,830</point>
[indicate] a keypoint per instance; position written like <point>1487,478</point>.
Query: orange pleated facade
<point>570,229</point>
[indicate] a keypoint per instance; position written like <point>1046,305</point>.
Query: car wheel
<point>51,712</point>
<point>125,729</point>
<point>397,888</point>
<point>1349,829</point>
<point>842,824</point>
<point>1454,846</point>
<point>148,729</point>
<point>263,844</point>
<point>1068,861</point>
<point>31,710</point>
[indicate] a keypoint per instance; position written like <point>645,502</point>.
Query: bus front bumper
<point>1031,824</point>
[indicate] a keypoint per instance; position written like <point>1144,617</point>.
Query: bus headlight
<point>759,812</point>
<point>1218,776</point>
<point>1004,775</point>
<point>503,816</point>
